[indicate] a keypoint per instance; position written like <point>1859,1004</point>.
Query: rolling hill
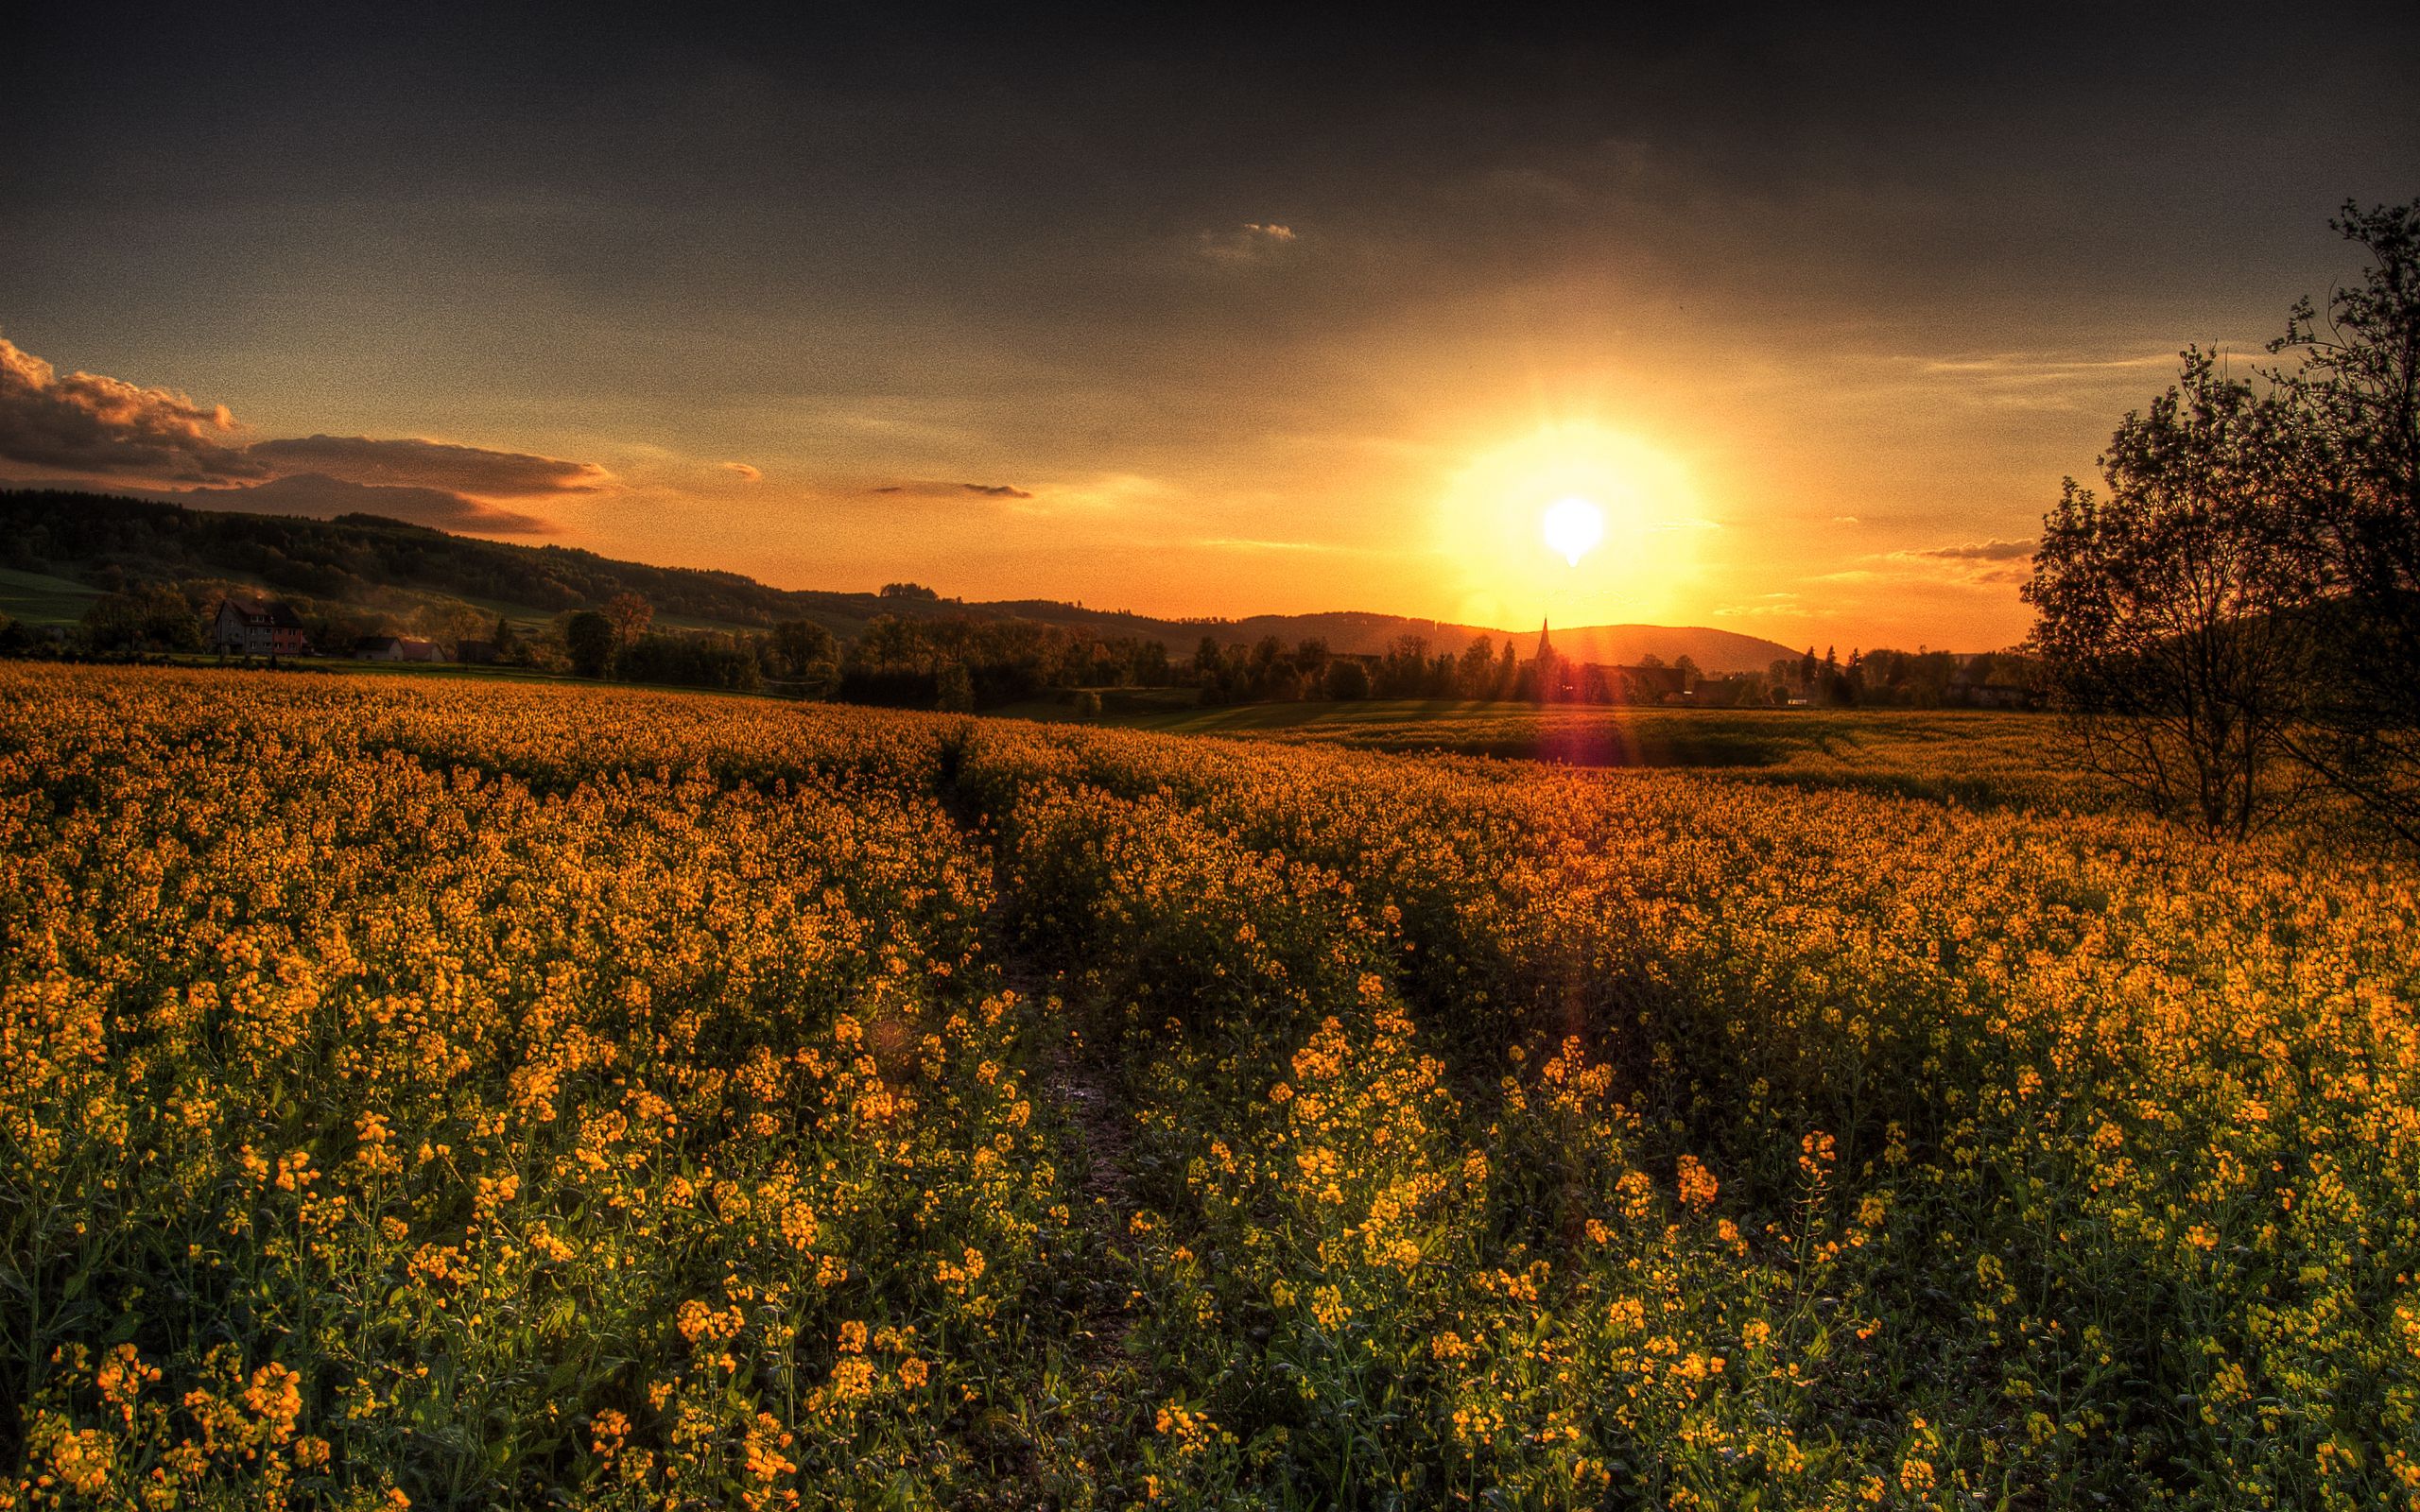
<point>63,540</point>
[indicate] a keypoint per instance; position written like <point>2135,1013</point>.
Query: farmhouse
<point>396,648</point>
<point>257,626</point>
<point>1998,696</point>
<point>1650,684</point>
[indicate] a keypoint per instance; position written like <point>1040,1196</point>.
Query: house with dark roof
<point>1650,684</point>
<point>396,648</point>
<point>257,626</point>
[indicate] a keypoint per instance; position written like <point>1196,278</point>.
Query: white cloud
<point>1254,242</point>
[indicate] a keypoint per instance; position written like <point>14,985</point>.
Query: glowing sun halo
<point>1591,523</point>
<point>1573,527</point>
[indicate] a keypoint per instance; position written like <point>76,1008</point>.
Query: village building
<point>257,626</point>
<point>1998,695</point>
<point>396,648</point>
<point>1651,684</point>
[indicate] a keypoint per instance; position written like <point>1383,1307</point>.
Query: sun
<point>1579,520</point>
<point>1573,527</point>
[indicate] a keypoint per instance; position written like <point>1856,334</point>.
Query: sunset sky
<point>1232,318</point>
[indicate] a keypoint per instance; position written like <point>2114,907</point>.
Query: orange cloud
<point>110,431</point>
<point>107,427</point>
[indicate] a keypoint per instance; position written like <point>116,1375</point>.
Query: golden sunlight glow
<point>1573,527</point>
<point>1620,519</point>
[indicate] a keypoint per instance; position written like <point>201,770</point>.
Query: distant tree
<point>1687,667</point>
<point>703,658</point>
<point>1347,679</point>
<point>632,614</point>
<point>1209,671</point>
<point>113,622</point>
<point>143,617</point>
<point>1267,657</point>
<point>590,637</point>
<point>955,689</point>
<point>1087,704</point>
<point>1404,673</point>
<point>2171,612</point>
<point>1310,662</point>
<point>799,645</point>
<point>2357,393</point>
<point>1475,676</point>
<point>910,591</point>
<point>1437,676</point>
<point>449,624</point>
<point>502,636</point>
<point>547,649</point>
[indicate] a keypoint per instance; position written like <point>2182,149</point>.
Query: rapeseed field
<point>443,1094</point>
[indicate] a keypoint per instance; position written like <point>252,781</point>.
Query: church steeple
<point>1546,639</point>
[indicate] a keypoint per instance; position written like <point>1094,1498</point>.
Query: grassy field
<point>1590,735</point>
<point>38,599</point>
<point>467,1094</point>
<point>1970,757</point>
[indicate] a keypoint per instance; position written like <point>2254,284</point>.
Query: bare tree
<point>2173,621</point>
<point>631,614</point>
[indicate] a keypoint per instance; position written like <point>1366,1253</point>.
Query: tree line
<point>2232,622</point>
<point>956,663</point>
<point>967,664</point>
<point>1268,671</point>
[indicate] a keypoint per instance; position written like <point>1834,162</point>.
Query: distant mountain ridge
<point>79,536</point>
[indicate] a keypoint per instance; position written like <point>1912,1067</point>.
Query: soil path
<point>1082,1090</point>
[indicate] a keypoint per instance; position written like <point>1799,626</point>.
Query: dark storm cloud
<point>84,422</point>
<point>473,470</point>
